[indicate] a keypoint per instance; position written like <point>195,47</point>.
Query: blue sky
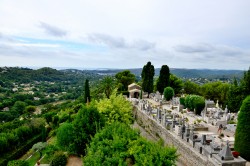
<point>125,34</point>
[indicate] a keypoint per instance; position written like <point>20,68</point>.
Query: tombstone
<point>183,128</point>
<point>226,153</point>
<point>163,119</point>
<point>203,139</point>
<point>187,133</point>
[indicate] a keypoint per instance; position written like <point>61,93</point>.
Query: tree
<point>191,88</point>
<point>19,106</point>
<point>107,86</point>
<point>168,93</point>
<point>195,102</point>
<point>59,159</point>
<point>245,83</point>
<point>234,98</point>
<point>30,109</point>
<point>124,78</point>
<point>175,83</point>
<point>86,124</point>
<point>119,144</point>
<point>242,135</point>
<point>116,108</point>
<point>65,136</point>
<point>86,91</point>
<point>147,75</point>
<point>163,80</point>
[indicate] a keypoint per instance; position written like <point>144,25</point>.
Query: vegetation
<point>86,91</point>
<point>106,86</point>
<point>118,144</point>
<point>242,136</point>
<point>176,83</point>
<point>59,159</point>
<point>168,93</point>
<point>116,108</point>
<point>147,76</point>
<point>163,80</point>
<point>124,78</point>
<point>18,163</point>
<point>195,102</point>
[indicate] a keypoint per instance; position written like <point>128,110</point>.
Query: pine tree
<point>163,80</point>
<point>86,92</point>
<point>147,75</point>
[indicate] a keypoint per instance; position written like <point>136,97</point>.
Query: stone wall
<point>188,155</point>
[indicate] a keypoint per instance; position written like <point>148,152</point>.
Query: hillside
<point>183,73</point>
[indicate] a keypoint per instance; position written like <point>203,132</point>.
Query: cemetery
<point>207,139</point>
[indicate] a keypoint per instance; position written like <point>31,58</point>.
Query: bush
<point>168,93</point>
<point>242,134</point>
<point>195,102</point>
<point>59,159</point>
<point>118,144</point>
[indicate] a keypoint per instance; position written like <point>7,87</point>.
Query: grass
<point>32,161</point>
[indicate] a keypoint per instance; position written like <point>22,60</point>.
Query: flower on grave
<point>235,154</point>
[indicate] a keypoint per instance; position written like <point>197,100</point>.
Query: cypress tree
<point>147,75</point>
<point>242,134</point>
<point>163,80</point>
<point>86,91</point>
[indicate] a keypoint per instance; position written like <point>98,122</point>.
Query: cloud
<point>119,42</point>
<point>52,30</point>
<point>197,48</point>
<point>116,42</point>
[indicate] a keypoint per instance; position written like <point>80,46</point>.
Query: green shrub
<point>168,93</point>
<point>242,133</point>
<point>59,159</point>
<point>118,144</point>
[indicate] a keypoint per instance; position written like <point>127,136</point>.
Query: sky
<point>207,34</point>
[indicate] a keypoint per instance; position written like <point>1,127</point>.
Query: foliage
<point>59,159</point>
<point>86,124</point>
<point>215,91</point>
<point>191,88</point>
<point>39,147</point>
<point>12,139</point>
<point>168,93</point>
<point>118,144</point>
<point>30,109</point>
<point>195,102</point>
<point>124,78</point>
<point>18,163</point>
<point>65,136</point>
<point>163,80</point>
<point>116,108</point>
<point>107,85</point>
<point>175,83</point>
<point>147,76</point>
<point>242,136</point>
<point>86,91</point>
<point>182,101</point>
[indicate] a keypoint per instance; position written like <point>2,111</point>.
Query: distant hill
<point>183,73</point>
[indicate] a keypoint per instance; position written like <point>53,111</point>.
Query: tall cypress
<point>242,135</point>
<point>86,91</point>
<point>147,75</point>
<point>163,80</point>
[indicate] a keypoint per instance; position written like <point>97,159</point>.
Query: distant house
<point>6,109</point>
<point>134,90</point>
